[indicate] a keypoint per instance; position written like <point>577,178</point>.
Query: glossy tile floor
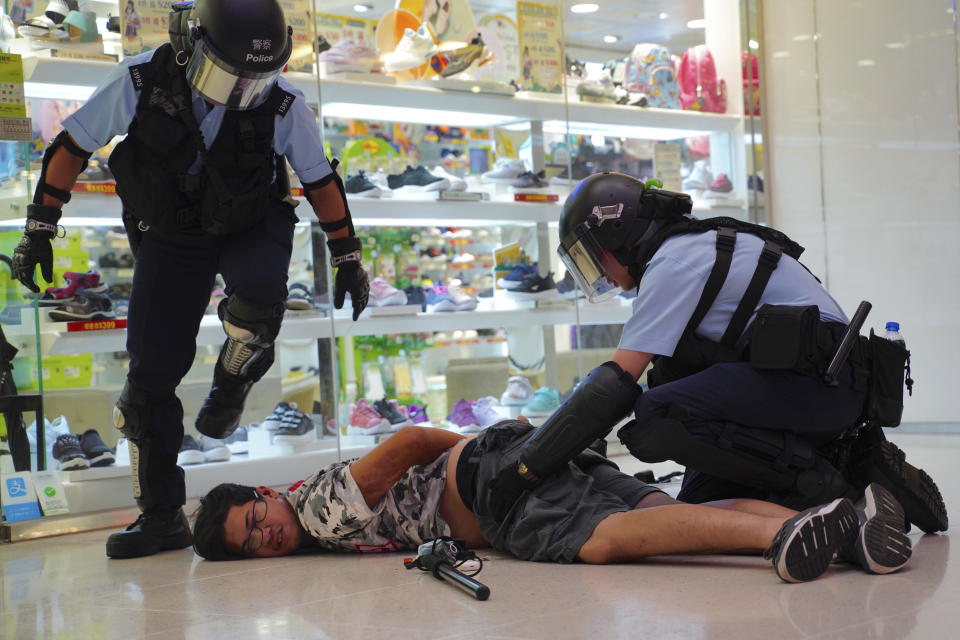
<point>66,588</point>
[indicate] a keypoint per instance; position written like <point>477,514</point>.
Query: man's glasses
<point>255,539</point>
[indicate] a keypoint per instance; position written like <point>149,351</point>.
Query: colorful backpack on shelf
<point>650,71</point>
<point>699,89</point>
<point>751,84</point>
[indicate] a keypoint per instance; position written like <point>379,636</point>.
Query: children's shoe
<point>456,182</point>
<point>804,547</point>
<point>699,179</point>
<point>273,421</point>
<point>515,277</point>
<point>391,411</point>
<point>296,428</point>
<point>360,185</point>
<point>299,297</point>
<point>463,417</point>
<point>416,295</point>
<point>418,414</point>
<point>414,49</point>
<point>214,450</point>
<point>463,301</point>
<point>534,287</point>
<point>347,55</point>
<point>881,544</point>
<point>485,409</point>
<point>504,170</point>
<point>190,452</point>
<point>567,288</point>
<point>518,393</point>
<point>417,180</point>
<point>439,300</point>
<point>543,403</point>
<point>73,281</point>
<point>97,453</point>
<point>364,420</point>
<point>530,180</point>
<point>383,294</point>
<point>238,441</point>
<point>69,454</point>
<point>84,305</point>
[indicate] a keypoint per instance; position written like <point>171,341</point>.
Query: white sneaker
<point>383,294</point>
<point>463,301</point>
<point>518,392</point>
<point>57,10</point>
<point>214,450</point>
<point>347,55</point>
<point>414,49</point>
<point>456,183</point>
<point>700,178</point>
<point>505,170</point>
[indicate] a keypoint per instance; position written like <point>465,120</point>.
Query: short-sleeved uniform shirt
<point>332,509</point>
<point>111,109</point>
<point>677,274</point>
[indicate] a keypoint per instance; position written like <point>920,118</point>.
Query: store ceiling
<point>632,20</point>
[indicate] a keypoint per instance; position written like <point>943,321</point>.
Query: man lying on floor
<point>424,482</point>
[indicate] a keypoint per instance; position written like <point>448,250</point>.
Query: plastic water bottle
<point>893,334</point>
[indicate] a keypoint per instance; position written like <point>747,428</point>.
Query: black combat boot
<point>220,414</point>
<point>157,529</point>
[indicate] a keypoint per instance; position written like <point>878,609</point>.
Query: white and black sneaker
<point>806,543</point>
<point>881,544</point>
<point>69,453</point>
<point>297,428</point>
<point>567,287</point>
<point>273,421</point>
<point>97,453</point>
<point>190,452</point>
<point>390,410</point>
<point>359,185</point>
<point>417,180</point>
<point>534,287</point>
<point>214,450</point>
<point>238,441</point>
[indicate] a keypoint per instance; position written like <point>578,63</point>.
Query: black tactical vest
<point>693,353</point>
<point>233,191</point>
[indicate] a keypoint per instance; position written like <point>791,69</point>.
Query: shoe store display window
<point>460,129</point>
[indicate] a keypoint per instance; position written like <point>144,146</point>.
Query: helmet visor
<point>582,257</point>
<point>225,84</point>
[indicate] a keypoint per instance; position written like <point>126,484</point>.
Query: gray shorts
<point>552,522</point>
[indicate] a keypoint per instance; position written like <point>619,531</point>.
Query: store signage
<point>666,165</point>
<point>144,25</point>
<point>53,499</point>
<point>94,187</point>
<point>18,498</point>
<point>541,55</point>
<point>96,325</point>
<point>535,197</point>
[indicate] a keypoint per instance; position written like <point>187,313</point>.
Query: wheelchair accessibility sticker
<point>16,487</point>
<point>18,498</point>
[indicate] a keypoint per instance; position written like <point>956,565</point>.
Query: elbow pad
<point>62,141</point>
<point>604,397</point>
<point>345,221</point>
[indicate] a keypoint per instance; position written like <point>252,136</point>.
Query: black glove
<point>35,247</point>
<point>506,489</point>
<point>345,256</point>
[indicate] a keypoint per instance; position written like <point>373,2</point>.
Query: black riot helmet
<point>233,50</point>
<point>616,213</point>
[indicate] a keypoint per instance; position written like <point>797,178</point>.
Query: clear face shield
<point>582,255</point>
<point>225,84</point>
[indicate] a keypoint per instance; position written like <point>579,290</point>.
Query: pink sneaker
<point>365,421</point>
<point>382,294</point>
<point>74,280</point>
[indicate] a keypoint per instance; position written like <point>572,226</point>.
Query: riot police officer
<point>201,174</point>
<point>740,333</point>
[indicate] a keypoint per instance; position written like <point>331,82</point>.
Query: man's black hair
<point>208,534</point>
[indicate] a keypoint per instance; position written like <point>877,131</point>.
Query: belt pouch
<point>784,338</point>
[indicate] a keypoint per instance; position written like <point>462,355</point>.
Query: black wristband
<point>343,246</point>
<point>43,213</point>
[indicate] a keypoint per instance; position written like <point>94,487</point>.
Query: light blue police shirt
<point>677,274</point>
<point>111,108</point>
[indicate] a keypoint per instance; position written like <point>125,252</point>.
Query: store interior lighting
<point>619,131</point>
<point>699,23</point>
<point>50,91</point>
<point>414,115</point>
<point>611,39</point>
<point>587,7</point>
<point>362,8</point>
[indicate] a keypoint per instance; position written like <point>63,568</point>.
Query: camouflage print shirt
<point>333,511</point>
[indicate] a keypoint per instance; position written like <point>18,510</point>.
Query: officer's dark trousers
<point>737,393</point>
<point>172,280</point>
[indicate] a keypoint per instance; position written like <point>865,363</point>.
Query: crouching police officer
<point>203,182</point>
<point>740,334</point>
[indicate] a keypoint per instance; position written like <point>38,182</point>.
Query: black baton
<point>850,334</point>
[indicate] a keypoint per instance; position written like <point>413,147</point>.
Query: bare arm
<point>380,469</point>
<point>632,362</point>
<point>328,205</point>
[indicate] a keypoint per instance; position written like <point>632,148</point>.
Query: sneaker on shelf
<point>598,85</point>
<point>463,418</point>
<point>580,171</point>
<point>543,403</point>
<point>463,259</point>
<point>456,182</point>
<point>418,414</point>
<point>505,170</point>
<point>417,180</point>
<point>720,189</point>
<point>485,409</point>
<point>272,422</point>
<point>97,453</point>
<point>416,295</point>
<point>515,277</point>
<point>297,428</point>
<point>534,287</point>
<point>567,287</point>
<point>85,305</point>
<point>214,450</point>
<point>804,547</point>
<point>238,441</point>
<point>439,300</point>
<point>391,411</point>
<point>69,454</point>
<point>454,61</point>
<point>190,451</point>
<point>360,185</point>
<point>57,10</point>
<point>518,392</point>
<point>364,420</point>
<point>484,286</point>
<point>299,297</point>
<point>73,282</point>
<point>347,55</point>
<point>379,178</point>
<point>530,180</point>
<point>699,179</point>
<point>414,49</point>
<point>383,294</point>
<point>463,301</point>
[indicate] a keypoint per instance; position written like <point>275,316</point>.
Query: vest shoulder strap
<point>769,258</point>
<point>726,242</point>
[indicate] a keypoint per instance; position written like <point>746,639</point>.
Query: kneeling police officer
<point>740,334</point>
<point>202,177</point>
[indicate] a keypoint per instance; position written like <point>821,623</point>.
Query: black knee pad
<point>251,329</point>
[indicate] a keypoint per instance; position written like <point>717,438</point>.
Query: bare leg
<point>745,505</point>
<point>677,528</point>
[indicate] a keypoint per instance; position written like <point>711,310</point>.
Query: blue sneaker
<point>513,279</point>
<point>543,403</point>
<point>438,299</point>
